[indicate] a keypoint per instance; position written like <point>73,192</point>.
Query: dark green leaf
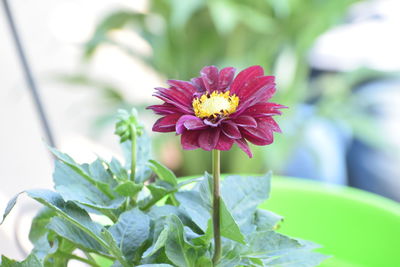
<point>74,234</point>
<point>191,203</point>
<point>158,244</point>
<point>178,250</point>
<point>71,186</point>
<point>131,231</point>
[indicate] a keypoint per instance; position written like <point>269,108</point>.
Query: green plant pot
<point>357,228</point>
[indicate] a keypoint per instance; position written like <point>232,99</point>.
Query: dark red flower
<point>215,110</point>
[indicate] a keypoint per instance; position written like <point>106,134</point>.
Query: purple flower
<point>215,110</point>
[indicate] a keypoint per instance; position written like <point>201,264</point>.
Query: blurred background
<point>337,64</point>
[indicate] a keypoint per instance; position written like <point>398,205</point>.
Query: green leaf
<point>131,231</point>
<point>191,203</point>
<point>98,171</point>
<point>143,154</point>
<point>158,244</point>
<point>242,195</point>
<point>83,172</point>
<point>128,189</point>
<point>158,190</point>
<point>43,247</point>
<point>9,207</point>
<point>114,248</point>
<point>229,227</point>
<point>299,258</point>
<point>267,244</point>
<point>120,172</point>
<point>163,172</point>
<point>266,220</point>
<point>30,261</point>
<point>75,235</point>
<point>204,262</point>
<point>178,250</point>
<point>155,265</point>
<point>39,223</point>
<point>71,186</point>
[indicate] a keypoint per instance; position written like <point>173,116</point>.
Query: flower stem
<point>133,151</point>
<point>216,206</point>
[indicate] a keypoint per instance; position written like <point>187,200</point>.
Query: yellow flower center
<point>215,104</point>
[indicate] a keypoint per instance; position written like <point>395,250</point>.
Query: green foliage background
<point>276,34</point>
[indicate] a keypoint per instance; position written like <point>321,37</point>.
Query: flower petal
<point>244,76</point>
<point>262,135</point>
<point>224,142</point>
<point>210,78</point>
<point>189,122</point>
<point>164,109</point>
<point>173,98</point>
<point>208,139</point>
<point>264,109</point>
<point>231,130</point>
<point>242,144</point>
<point>166,124</point>
<point>272,124</point>
<point>259,90</point>
<point>186,88</point>
<point>225,78</point>
<point>199,84</point>
<point>245,121</point>
<point>189,140</point>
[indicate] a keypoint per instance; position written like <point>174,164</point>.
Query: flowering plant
<point>148,217</point>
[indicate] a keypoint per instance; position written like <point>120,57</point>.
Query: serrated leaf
<point>131,231</point>
<point>128,189</point>
<point>163,172</point>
